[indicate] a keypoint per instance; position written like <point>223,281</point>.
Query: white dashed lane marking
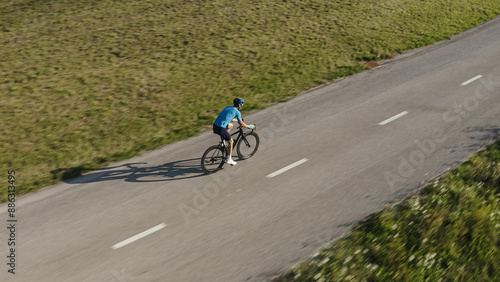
<point>393,118</point>
<point>287,168</point>
<point>138,236</point>
<point>471,80</point>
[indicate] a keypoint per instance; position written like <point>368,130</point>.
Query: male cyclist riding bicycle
<point>223,125</point>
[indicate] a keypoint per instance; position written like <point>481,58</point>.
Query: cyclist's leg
<point>227,136</point>
<point>230,141</point>
<point>224,133</point>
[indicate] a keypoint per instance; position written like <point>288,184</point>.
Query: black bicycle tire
<point>207,171</point>
<point>238,150</point>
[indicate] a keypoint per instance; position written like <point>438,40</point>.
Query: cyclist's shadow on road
<point>137,172</point>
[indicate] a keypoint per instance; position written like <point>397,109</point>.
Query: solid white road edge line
<point>138,236</point>
<point>471,80</point>
<point>287,168</point>
<point>393,118</point>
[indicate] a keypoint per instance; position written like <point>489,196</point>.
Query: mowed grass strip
<point>449,232</point>
<point>84,83</point>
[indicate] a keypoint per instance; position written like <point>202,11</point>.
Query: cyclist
<point>223,125</point>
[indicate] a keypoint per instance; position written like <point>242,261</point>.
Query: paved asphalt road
<point>239,225</point>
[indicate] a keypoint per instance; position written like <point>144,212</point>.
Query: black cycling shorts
<point>222,132</point>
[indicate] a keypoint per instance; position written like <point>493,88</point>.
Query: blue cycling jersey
<point>226,116</point>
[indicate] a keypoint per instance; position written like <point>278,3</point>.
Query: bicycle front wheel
<point>248,145</point>
<point>212,160</point>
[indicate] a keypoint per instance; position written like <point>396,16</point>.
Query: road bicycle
<point>246,145</point>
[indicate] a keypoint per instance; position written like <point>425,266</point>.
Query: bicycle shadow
<point>134,172</point>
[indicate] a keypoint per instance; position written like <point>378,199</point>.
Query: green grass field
<point>84,83</point>
<point>449,232</point>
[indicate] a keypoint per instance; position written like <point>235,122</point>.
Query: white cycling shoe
<point>231,162</point>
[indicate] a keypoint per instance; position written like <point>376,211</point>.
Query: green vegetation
<point>450,232</point>
<point>84,83</point>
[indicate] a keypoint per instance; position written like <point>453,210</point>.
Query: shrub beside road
<point>449,232</point>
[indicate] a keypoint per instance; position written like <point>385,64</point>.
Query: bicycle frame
<point>240,135</point>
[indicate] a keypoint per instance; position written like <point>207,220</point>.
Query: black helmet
<point>238,102</point>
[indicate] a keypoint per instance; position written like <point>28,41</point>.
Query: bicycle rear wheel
<point>248,145</point>
<point>213,159</point>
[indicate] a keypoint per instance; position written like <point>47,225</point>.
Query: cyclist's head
<point>238,102</point>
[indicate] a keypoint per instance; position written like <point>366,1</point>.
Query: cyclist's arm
<point>242,124</point>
